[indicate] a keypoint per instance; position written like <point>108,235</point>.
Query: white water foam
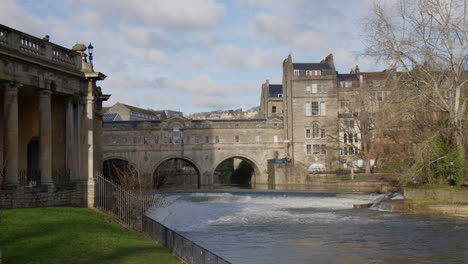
<point>194,211</point>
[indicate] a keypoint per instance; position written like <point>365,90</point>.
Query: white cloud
<point>13,15</point>
<point>180,14</point>
<point>202,84</point>
<point>147,55</point>
<point>234,56</point>
<point>289,32</point>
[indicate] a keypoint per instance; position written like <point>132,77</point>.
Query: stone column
<point>10,112</point>
<point>70,128</point>
<point>90,143</point>
<point>45,138</point>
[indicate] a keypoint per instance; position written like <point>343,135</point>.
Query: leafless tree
<point>368,116</point>
<point>427,41</point>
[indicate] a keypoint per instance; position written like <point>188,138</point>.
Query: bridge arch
<point>157,180</point>
<point>121,170</point>
<point>245,158</point>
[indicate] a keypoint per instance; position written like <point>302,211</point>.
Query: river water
<point>305,227</point>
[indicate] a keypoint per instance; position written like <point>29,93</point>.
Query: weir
<point>309,227</point>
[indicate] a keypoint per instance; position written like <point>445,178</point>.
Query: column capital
<point>11,86</point>
<point>44,92</point>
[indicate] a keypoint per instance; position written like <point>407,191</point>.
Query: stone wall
<point>38,197</point>
<point>450,196</point>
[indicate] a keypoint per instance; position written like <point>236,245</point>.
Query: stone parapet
<point>27,46</point>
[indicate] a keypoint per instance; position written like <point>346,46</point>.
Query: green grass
<point>72,235</point>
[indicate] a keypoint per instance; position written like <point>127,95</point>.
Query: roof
<point>275,89</point>
<point>111,117</point>
<point>311,66</point>
<point>141,110</point>
<point>348,77</point>
<point>375,76</point>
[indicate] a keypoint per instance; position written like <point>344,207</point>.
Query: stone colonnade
<point>9,137</point>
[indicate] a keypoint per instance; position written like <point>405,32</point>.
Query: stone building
<point>50,128</point>
<point>306,119</point>
<point>271,100</point>
<point>130,113</point>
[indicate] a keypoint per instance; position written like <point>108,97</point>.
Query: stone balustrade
<point>36,48</point>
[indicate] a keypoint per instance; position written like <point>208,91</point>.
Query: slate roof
<point>275,89</point>
<point>311,66</point>
<point>348,77</point>
<point>111,117</point>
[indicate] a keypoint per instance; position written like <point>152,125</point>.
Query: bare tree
<point>368,115</point>
<point>428,42</point>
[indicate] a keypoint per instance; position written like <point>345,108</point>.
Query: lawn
<point>72,235</point>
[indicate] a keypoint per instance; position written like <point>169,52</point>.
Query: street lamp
<point>90,52</point>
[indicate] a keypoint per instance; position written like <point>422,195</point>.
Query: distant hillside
<point>251,113</point>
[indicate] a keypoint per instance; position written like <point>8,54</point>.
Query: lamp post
<point>90,52</point>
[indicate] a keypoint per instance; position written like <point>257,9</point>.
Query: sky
<point>197,55</point>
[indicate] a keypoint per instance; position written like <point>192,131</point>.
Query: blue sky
<point>196,55</point>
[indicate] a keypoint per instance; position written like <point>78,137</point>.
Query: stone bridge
<point>203,143</point>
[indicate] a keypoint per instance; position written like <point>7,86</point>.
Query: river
<point>310,227</point>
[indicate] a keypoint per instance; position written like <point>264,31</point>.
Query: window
<point>322,88</point>
<point>114,140</point>
<point>156,140</point>
<point>188,140</point>
<point>275,139</point>
<point>207,139</point>
<point>273,109</point>
<point>345,138</point>
<point>217,139</point>
<point>236,139</point>
<point>315,130</point>
<point>323,134</point>
<point>315,108</point>
<point>197,139</point>
<point>346,84</point>
<point>350,137</point>
<point>349,124</point>
<point>257,139</point>
<point>175,137</point>
<point>309,149</point>
<point>355,138</point>
<point>314,73</point>
<point>308,133</point>
<point>316,88</point>
<point>307,109</point>
<point>316,149</point>
<point>344,106</point>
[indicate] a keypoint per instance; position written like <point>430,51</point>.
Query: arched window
<point>175,136</point>
<point>315,130</point>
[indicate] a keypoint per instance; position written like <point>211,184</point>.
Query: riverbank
<point>445,200</point>
<point>72,235</point>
